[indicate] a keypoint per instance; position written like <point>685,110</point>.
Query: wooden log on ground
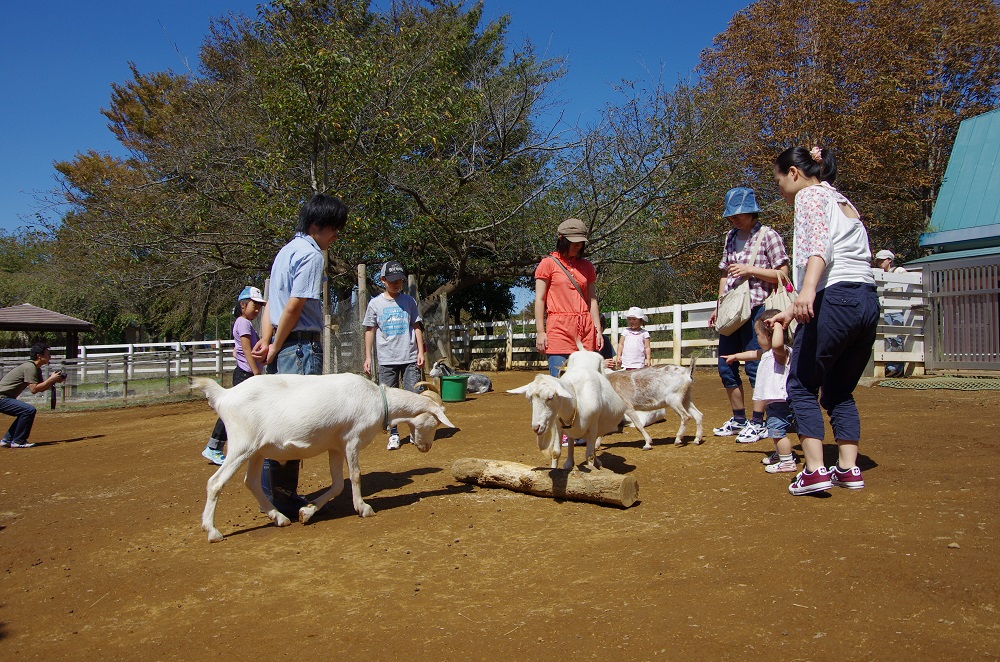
<point>601,486</point>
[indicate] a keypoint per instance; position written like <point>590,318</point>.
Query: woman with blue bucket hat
<point>753,253</point>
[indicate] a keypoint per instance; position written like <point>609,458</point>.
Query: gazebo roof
<point>32,318</point>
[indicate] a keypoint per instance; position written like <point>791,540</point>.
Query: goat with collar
<point>581,404</point>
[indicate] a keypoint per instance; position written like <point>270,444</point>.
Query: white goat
<point>581,404</point>
<point>656,388</point>
<point>292,417</point>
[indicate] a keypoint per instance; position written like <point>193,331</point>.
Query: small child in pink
<point>633,346</point>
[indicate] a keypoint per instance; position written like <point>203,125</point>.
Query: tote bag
<point>734,305</point>
<point>781,298</point>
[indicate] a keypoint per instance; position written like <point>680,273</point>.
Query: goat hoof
<point>647,447</point>
<point>306,513</point>
<point>281,520</point>
<point>214,536</point>
<point>678,442</point>
<point>366,511</point>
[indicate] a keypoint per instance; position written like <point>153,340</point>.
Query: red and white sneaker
<point>849,478</point>
<point>808,482</point>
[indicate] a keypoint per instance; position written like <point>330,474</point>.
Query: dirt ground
<point>102,551</point>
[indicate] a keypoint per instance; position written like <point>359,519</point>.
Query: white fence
<point>677,333</point>
<point>901,293</point>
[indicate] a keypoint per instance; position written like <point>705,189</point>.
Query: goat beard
<point>551,437</point>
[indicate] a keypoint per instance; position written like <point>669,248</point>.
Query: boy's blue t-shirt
<point>393,320</point>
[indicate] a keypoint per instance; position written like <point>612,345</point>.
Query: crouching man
<point>28,374</point>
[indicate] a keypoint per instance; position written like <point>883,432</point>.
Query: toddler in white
<point>772,374</point>
<point>633,347</point>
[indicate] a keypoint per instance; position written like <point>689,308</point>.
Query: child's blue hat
<point>251,293</point>
<point>740,200</point>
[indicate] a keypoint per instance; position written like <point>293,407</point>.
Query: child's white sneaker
<point>783,466</point>
<point>751,433</point>
<point>729,428</point>
<point>393,444</point>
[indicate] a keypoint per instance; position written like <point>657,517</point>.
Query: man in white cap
<point>884,260</point>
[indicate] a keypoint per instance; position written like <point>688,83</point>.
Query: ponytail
<point>817,162</point>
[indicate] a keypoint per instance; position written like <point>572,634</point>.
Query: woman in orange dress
<point>564,311</point>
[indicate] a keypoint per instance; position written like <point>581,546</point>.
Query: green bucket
<point>453,387</point>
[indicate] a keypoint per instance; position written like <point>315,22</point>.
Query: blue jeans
<point>894,343</point>
<point>281,481</point>
<point>742,340</point>
<point>779,419</point>
<point>24,418</point>
<point>830,355</point>
<point>556,361</point>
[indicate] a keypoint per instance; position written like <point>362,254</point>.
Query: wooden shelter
<point>32,318</point>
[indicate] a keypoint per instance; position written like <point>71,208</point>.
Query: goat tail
<point>213,390</point>
<point>579,345</point>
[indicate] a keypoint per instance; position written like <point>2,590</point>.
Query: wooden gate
<point>965,314</point>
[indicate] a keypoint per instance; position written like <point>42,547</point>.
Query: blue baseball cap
<point>740,200</point>
<point>251,293</point>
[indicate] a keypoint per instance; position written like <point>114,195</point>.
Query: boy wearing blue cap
<point>392,324</point>
<point>754,252</point>
<point>249,303</point>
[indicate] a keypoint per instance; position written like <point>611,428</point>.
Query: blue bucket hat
<point>740,200</point>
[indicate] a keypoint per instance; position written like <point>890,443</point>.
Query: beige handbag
<point>781,298</point>
<point>734,305</point>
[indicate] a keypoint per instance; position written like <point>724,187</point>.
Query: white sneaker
<point>729,428</point>
<point>751,432</point>
<point>5,442</point>
<point>393,444</point>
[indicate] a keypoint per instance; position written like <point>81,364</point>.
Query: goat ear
<point>444,420</point>
<point>520,390</point>
<point>562,391</point>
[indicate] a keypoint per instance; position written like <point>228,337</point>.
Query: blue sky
<point>61,56</point>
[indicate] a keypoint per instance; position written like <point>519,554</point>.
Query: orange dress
<point>567,314</point>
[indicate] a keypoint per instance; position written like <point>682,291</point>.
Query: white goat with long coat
<point>293,417</point>
<point>581,404</point>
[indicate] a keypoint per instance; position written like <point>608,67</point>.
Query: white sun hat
<point>636,311</point>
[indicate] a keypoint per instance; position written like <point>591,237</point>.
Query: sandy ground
<point>102,551</point>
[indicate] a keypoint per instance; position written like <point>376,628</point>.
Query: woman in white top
<point>837,309</point>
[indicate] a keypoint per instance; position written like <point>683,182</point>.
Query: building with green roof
<point>961,275</point>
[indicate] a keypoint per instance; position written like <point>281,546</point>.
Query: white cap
<point>636,311</point>
<point>251,293</point>
<point>885,254</point>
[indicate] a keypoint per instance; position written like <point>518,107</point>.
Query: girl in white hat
<point>633,346</point>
